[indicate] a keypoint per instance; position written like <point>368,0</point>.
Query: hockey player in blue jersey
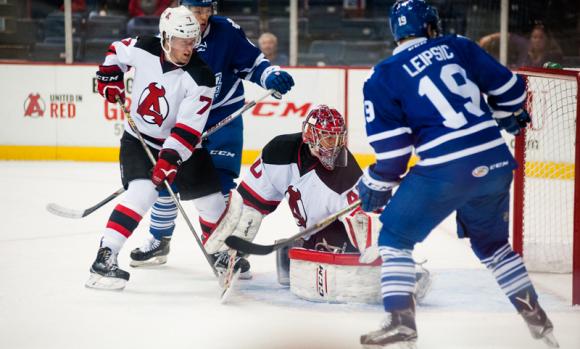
<point>232,57</point>
<point>429,97</point>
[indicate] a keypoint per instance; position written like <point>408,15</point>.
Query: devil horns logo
<point>296,206</point>
<point>34,105</point>
<point>153,106</point>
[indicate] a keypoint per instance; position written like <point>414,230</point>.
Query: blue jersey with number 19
<point>429,97</point>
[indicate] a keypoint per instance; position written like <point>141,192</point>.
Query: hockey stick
<point>245,246</point>
<point>167,185</point>
<point>238,113</point>
<point>72,213</point>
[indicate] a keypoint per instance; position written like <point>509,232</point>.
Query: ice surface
<point>45,262</point>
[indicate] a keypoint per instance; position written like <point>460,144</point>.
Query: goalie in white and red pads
<point>316,174</point>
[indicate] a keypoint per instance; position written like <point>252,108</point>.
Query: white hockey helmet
<point>179,22</point>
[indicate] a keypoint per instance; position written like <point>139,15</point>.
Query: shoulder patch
<point>282,150</point>
<point>150,44</point>
<point>200,72</point>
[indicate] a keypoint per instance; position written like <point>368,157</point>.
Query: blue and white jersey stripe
<point>428,98</point>
<point>232,58</point>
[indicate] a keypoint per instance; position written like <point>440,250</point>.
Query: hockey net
<point>546,225</point>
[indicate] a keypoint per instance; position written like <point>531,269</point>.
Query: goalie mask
<point>324,130</point>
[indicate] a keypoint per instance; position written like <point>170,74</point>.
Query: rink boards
<point>53,112</point>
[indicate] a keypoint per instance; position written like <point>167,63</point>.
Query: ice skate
<point>538,323</point>
<point>105,273</point>
<point>398,331</point>
<point>222,260</point>
<point>424,281</point>
<point>153,252</point>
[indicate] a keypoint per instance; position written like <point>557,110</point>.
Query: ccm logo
<point>222,153</point>
<point>105,78</point>
<point>321,286</point>
<point>282,109</point>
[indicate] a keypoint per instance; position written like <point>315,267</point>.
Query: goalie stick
<point>249,247</point>
<point>65,212</point>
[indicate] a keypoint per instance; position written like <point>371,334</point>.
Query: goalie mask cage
<point>546,224</point>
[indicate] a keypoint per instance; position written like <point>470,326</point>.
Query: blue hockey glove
<point>515,122</point>
<point>280,81</point>
<point>372,192</point>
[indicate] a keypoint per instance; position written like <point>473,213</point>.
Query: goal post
<point>546,211</point>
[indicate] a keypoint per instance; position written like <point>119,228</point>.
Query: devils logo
<point>296,206</point>
<point>153,106</point>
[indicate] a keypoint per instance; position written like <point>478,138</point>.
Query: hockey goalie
<point>315,173</point>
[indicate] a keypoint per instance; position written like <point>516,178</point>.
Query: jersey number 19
<point>453,119</point>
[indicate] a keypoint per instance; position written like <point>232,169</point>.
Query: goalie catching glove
<point>110,83</point>
<point>363,232</point>
<point>238,220</point>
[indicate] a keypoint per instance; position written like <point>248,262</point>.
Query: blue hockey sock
<point>397,278</point>
<point>163,215</point>
<point>512,276</point>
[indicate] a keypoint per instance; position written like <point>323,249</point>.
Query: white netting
<point>549,174</point>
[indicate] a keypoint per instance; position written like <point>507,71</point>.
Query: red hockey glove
<point>166,167</point>
<point>110,83</point>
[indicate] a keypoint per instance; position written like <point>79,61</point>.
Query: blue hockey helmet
<point>411,18</point>
<point>200,3</point>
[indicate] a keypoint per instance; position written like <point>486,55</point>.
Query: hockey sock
<point>512,276</point>
<point>206,229</point>
<point>163,215</point>
<point>210,208</point>
<point>120,226</point>
<point>397,278</point>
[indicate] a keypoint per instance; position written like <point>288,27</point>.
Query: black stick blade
<point>245,246</point>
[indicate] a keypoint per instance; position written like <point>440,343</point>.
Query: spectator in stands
<point>113,7</point>
<point>542,48</point>
<point>76,6</point>
<point>517,47</point>
<point>149,7</point>
<point>268,43</point>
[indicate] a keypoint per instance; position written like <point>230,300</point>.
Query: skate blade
<point>399,345</point>
<point>228,286</point>
<point>100,282</point>
<point>422,289</point>
<point>151,262</point>
<point>550,340</point>
<point>246,275</point>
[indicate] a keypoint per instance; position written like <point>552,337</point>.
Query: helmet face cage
<point>411,18</point>
<point>324,131</point>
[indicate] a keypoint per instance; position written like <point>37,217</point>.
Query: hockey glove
<point>280,81</point>
<point>110,83</point>
<point>372,192</point>
<point>166,167</point>
<point>515,122</point>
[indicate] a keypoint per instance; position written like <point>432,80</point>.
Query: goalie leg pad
<point>249,224</point>
<point>226,224</point>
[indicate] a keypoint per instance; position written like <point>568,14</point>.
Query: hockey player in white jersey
<point>233,58</point>
<point>429,96</point>
<point>172,95</point>
<point>315,173</point>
